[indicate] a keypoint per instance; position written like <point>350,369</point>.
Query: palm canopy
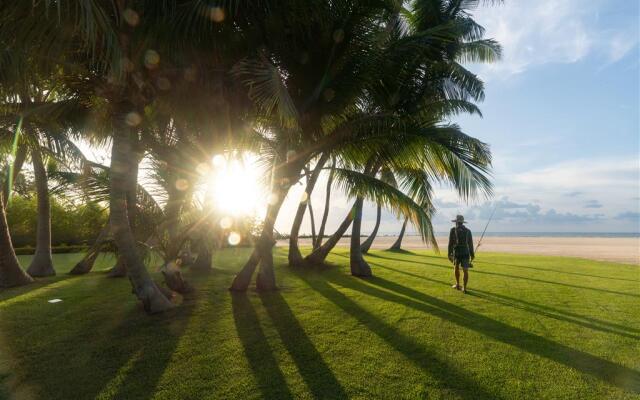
<point>299,81</point>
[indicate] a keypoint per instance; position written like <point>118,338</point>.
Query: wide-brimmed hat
<point>460,219</point>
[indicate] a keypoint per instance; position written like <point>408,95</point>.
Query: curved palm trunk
<point>144,288</point>
<point>397,245</point>
<point>42,264</point>
<point>359,266</point>
<point>18,161</point>
<point>85,265</point>
<point>367,243</point>
<point>320,254</point>
<point>10,272</point>
<point>262,255</point>
<point>119,270</point>
<point>173,209</point>
<point>203,260</point>
<point>325,213</point>
<point>295,257</point>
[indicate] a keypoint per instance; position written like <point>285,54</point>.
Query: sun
<point>234,186</point>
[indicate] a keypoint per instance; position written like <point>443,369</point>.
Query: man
<point>461,251</point>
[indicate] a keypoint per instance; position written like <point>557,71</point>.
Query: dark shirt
<point>463,233</point>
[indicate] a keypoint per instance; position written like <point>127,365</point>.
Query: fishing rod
<point>485,227</point>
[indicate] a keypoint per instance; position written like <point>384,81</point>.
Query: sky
<point>562,117</point>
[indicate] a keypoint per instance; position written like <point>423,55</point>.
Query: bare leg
<point>457,273</point>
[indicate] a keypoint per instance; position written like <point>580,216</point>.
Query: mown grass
<point>532,327</point>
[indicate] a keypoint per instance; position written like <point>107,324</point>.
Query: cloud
<point>539,32</point>
<point>592,204</point>
<point>629,216</point>
<point>583,173</point>
<point>445,204</point>
<point>574,194</point>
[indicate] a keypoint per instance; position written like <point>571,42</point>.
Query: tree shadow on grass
<point>398,251</point>
<point>593,323</point>
<point>151,354</point>
<point>384,254</point>
<point>318,376</point>
<point>479,271</point>
<point>4,378</point>
<point>90,345</point>
<point>448,378</point>
<point>263,364</point>
<point>610,372</point>
<point>556,271</point>
<point>7,294</point>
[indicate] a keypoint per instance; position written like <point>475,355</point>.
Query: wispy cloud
<point>592,204</point>
<point>549,31</point>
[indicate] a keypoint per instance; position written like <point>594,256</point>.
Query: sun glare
<point>235,186</point>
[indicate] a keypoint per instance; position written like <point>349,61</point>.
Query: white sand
<point>624,250</point>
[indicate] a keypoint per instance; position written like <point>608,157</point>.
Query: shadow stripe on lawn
<point>448,376</point>
<point>478,271</point>
<point>315,372</point>
<point>514,265</point>
<point>615,374</point>
<point>546,311</point>
<point>263,364</point>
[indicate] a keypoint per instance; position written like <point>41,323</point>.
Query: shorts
<point>465,263</point>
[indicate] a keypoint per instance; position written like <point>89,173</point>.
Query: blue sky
<point>562,116</point>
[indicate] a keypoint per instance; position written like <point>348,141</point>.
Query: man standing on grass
<point>461,251</point>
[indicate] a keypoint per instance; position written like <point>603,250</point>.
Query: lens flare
<point>234,187</point>
<point>234,238</point>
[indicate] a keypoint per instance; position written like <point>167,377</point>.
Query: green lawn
<point>532,327</point>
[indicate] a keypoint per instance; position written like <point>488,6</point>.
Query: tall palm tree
<point>127,60</point>
<point>387,176</point>
<point>307,93</point>
<point>10,272</point>
<point>325,213</point>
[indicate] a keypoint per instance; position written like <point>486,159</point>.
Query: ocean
<point>543,234</point>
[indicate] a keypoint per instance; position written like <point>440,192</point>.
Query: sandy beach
<point>623,250</point>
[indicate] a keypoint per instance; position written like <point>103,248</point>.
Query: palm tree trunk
<point>325,214</point>
<point>359,266</point>
<point>10,272</point>
<point>144,288</point>
<point>398,243</point>
<point>367,243</point>
<point>312,220</point>
<point>203,260</point>
<point>119,270</point>
<point>85,265</point>
<point>320,254</point>
<point>295,257</point>
<point>42,264</point>
<point>18,161</point>
<point>173,208</point>
<point>262,255</point>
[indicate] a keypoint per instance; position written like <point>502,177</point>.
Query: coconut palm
<point>307,92</point>
<point>109,45</point>
<point>397,245</point>
<point>432,90</point>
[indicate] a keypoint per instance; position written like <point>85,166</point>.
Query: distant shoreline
<point>523,234</point>
<point>621,249</point>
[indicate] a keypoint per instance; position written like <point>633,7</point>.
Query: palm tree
<point>325,213</point>
<point>397,245</point>
<point>10,272</point>
<point>42,263</point>
<point>105,43</point>
<point>387,176</point>
<point>307,93</point>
